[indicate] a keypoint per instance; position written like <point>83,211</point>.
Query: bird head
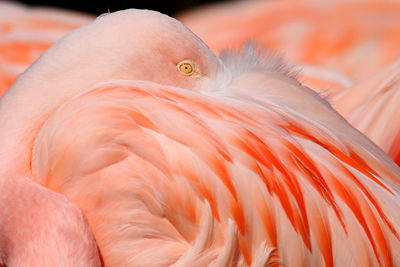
<point>129,45</point>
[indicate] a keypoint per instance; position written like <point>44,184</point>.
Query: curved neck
<point>34,96</point>
<point>23,110</point>
<point>66,69</point>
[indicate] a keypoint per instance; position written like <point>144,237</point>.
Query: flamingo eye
<point>186,67</point>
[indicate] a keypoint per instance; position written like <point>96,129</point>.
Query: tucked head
<point>134,45</point>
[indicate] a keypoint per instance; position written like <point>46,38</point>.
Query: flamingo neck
<point>23,109</point>
<point>32,213</point>
<point>31,100</point>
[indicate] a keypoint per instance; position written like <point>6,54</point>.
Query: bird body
<point>220,186</point>
<point>179,158</point>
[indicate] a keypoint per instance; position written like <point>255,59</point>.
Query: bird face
<point>147,45</point>
<point>126,45</point>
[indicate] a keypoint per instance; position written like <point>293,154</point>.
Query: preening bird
<point>179,158</point>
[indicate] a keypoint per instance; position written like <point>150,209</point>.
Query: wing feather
<point>180,177</point>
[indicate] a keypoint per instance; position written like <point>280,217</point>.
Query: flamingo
<point>179,158</point>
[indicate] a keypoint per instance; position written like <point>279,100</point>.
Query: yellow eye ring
<point>186,67</point>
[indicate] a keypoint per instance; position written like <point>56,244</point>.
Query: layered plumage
<point>338,51</point>
<point>231,181</point>
<point>233,164</point>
